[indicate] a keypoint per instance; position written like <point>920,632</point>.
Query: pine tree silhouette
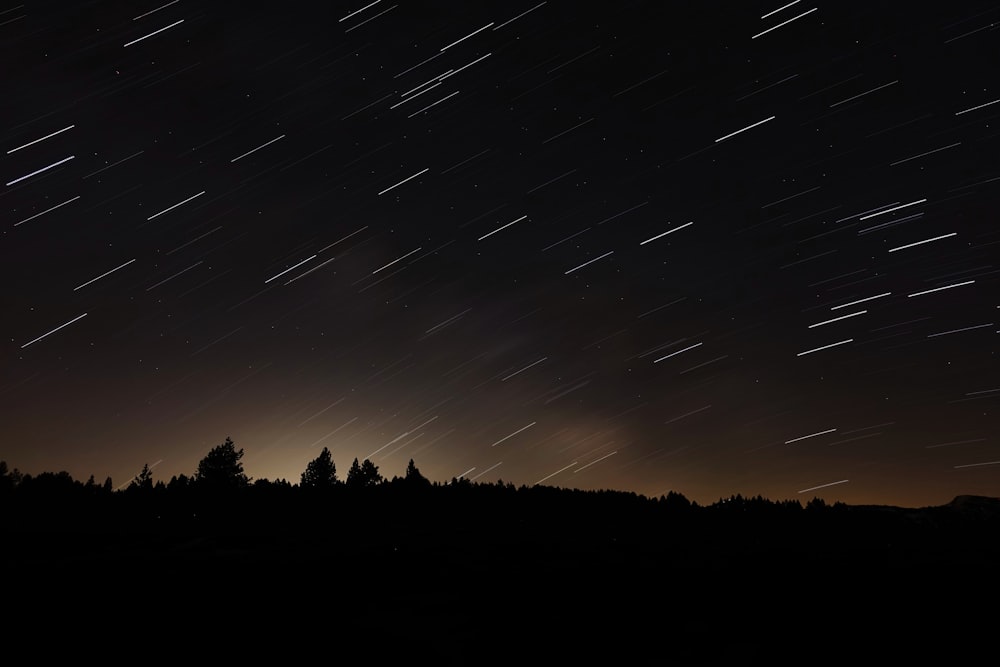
<point>321,472</point>
<point>221,468</point>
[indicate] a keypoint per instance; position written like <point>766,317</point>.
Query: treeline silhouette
<point>219,494</point>
<point>462,572</point>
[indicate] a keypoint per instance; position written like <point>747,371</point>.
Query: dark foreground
<point>483,583</point>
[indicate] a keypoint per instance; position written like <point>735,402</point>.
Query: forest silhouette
<point>487,573</point>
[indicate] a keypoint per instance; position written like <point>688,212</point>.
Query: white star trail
<point>823,486</point>
<point>30,342</point>
<point>47,136</point>
<point>39,171</point>
<point>155,32</point>
<point>106,273</point>
<point>408,178</point>
<point>744,129</point>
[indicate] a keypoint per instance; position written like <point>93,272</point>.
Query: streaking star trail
<point>705,247</point>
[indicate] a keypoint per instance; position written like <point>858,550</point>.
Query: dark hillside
<point>469,574</point>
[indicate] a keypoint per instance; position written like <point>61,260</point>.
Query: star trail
<point>709,247</point>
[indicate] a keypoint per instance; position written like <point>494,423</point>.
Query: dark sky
<point>708,247</point>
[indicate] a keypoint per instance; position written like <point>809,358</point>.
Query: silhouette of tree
<point>221,468</point>
<point>354,474</point>
<point>181,481</point>
<point>269,485</point>
<point>676,501</point>
<point>364,475</point>
<point>95,490</point>
<point>413,475</point>
<point>144,480</point>
<point>6,480</point>
<point>370,473</point>
<point>461,482</point>
<point>321,473</point>
<point>10,479</point>
<point>413,479</point>
<point>50,486</point>
<point>816,504</point>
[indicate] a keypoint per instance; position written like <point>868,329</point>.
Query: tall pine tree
<point>321,472</point>
<point>221,468</point>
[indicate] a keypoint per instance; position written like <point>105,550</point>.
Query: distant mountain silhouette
<point>983,506</point>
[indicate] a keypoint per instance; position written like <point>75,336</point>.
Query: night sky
<point>708,247</point>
